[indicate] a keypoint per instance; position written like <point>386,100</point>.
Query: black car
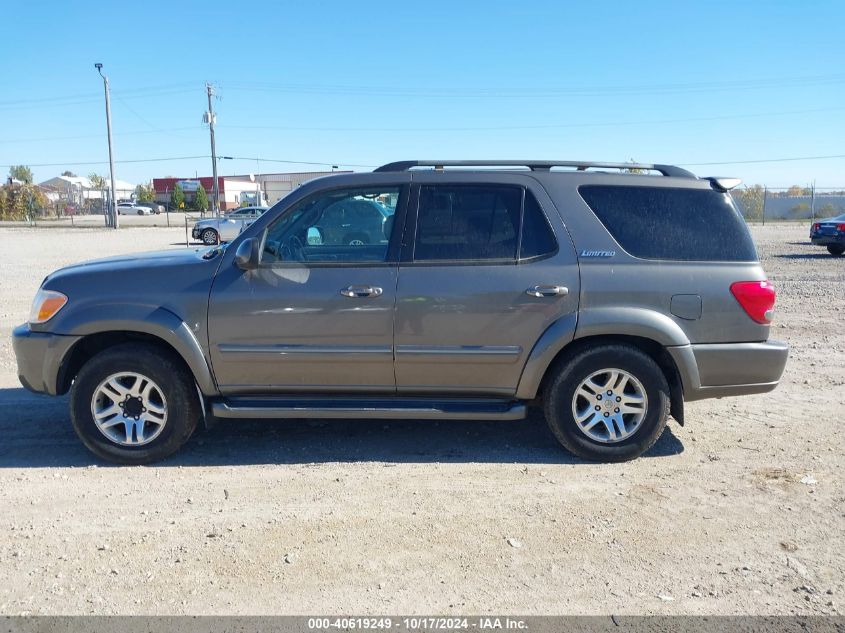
<point>830,233</point>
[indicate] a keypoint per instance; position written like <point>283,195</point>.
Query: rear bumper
<point>40,356</point>
<point>825,240</point>
<point>729,369</point>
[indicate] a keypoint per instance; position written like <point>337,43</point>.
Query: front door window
<point>341,226</point>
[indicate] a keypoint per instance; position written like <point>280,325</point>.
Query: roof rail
<point>534,165</point>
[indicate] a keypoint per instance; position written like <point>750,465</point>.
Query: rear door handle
<point>361,291</point>
<point>547,291</point>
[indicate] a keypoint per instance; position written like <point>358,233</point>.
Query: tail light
<point>841,227</point>
<point>816,227</point>
<point>757,298</point>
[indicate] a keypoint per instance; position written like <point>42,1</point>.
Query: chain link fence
<point>759,203</point>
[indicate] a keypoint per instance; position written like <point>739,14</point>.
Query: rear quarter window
<point>672,223</point>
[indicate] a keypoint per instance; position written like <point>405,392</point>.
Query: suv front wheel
<point>608,403</point>
<point>134,404</point>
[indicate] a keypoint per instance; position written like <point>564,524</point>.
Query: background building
<point>236,191</point>
<point>276,186</point>
<point>78,191</point>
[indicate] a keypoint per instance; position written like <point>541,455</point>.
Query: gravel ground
<point>740,511</point>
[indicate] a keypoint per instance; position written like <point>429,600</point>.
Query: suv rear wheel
<point>134,404</point>
<point>609,403</point>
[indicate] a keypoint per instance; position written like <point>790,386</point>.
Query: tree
<point>201,199</point>
<point>800,211</point>
<point>97,181</point>
<point>751,201</point>
<point>68,173</point>
<point>827,210</point>
<point>144,193</point>
<point>177,197</point>
<point>794,191</point>
<point>22,173</point>
<point>634,170</point>
<point>18,202</point>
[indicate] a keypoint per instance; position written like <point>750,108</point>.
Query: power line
<point>83,136</point>
<point>206,156</point>
<point>102,162</point>
<point>476,92</point>
<point>763,160</point>
<point>445,92</point>
<point>300,162</point>
<point>325,163</point>
<point>155,130</point>
<point>66,101</point>
<point>140,91</point>
<point>533,127</point>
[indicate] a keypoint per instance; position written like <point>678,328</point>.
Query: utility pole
<point>813,202</point>
<point>209,116</point>
<point>257,184</point>
<point>112,213</point>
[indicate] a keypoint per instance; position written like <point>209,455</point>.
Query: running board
<point>368,408</point>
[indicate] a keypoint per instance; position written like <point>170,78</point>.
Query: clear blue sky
<point>363,83</point>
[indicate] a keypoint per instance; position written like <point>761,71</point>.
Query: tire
<point>560,400</point>
<point>209,237</point>
<point>171,381</point>
<point>140,213</point>
<point>356,239</point>
<point>836,249</point>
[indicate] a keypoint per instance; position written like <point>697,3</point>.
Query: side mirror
<point>313,236</point>
<point>248,255</point>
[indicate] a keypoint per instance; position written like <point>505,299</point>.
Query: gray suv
<point>606,297</point>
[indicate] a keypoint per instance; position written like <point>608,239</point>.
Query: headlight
<point>45,305</point>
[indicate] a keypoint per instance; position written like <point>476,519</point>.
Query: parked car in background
<point>354,222</point>
<point>227,227</point>
<point>152,206</point>
<point>132,208</point>
<point>830,233</point>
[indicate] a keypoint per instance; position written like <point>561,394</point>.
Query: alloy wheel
<point>129,409</point>
<point>609,405</point>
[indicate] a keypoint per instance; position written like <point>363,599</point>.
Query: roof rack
<point>534,165</point>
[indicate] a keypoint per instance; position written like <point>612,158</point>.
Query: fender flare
<point>595,322</point>
<point>640,322</point>
<point>155,321</point>
<point>557,336</point>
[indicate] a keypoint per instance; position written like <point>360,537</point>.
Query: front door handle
<point>361,291</point>
<point>547,291</point>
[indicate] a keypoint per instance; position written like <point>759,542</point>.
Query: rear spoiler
<point>722,183</point>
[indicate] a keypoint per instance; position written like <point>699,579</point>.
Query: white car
<point>130,208</point>
<point>227,227</point>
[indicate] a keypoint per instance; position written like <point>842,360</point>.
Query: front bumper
<point>40,356</point>
<point>195,232</point>
<point>729,369</point>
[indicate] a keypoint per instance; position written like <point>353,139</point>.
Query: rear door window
<point>672,223</point>
<point>537,236</point>
<point>464,222</point>
<point>480,223</point>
